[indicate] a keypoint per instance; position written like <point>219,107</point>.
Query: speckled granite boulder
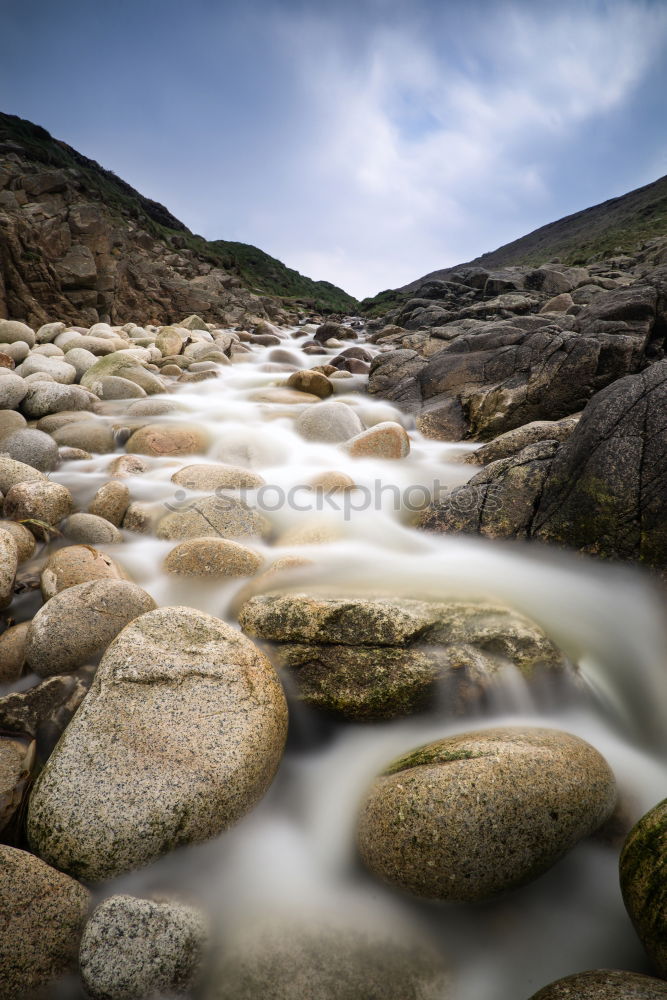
<point>208,476</point>
<point>332,422</point>
<point>43,913</point>
<point>79,623</point>
<point>643,869</point>
<point>472,815</point>
<point>387,440</point>
<point>9,561</point>
<point>168,439</point>
<point>604,984</point>
<point>110,502</point>
<point>77,564</point>
<point>136,948</point>
<point>36,502</point>
<point>288,961</point>
<point>212,557</point>
<point>226,516</point>
<point>90,529</point>
<point>179,736</point>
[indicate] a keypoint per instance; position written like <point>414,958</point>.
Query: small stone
<point>333,422</point>
<point>77,564</point>
<point>181,733</point>
<point>60,371</point>
<point>116,387</point>
<point>216,477</point>
<point>12,331</point>
<point>224,515</point>
<point>332,482</point>
<point>44,913</point>
<point>311,382</point>
<point>89,529</point>
<point>89,435</point>
<point>212,557</point>
<point>12,652</point>
<point>168,439</point>
<point>153,407</point>
<point>38,503</point>
<point>12,389</point>
<point>137,948</point>
<point>73,455</point>
<point>32,448</point>
<point>9,561</point>
<point>110,502</point>
<point>25,540</point>
<point>290,397</point>
<point>473,815</point>
<point>80,622</point>
<point>386,440</point>
<point>43,398</point>
<point>604,984</point>
<point>128,465</point>
<point>10,421</point>
<point>13,472</point>
<point>6,361</point>
<point>142,517</point>
<point>644,885</point>
<point>81,360</point>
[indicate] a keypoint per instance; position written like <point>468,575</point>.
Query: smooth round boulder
<point>89,529</point>
<point>77,564</point>
<point>604,984</point>
<point>168,439</point>
<point>643,867</point>
<point>37,504</point>
<point>10,421</point>
<point>13,389</point>
<point>227,516</point>
<point>207,476</point>
<point>13,472</point>
<point>25,540</point>
<point>81,360</point>
<point>89,435</point>
<point>43,398</point>
<point>116,387</point>
<point>18,351</point>
<point>473,815</point>
<point>9,561</point>
<point>12,330</point>
<point>180,735</point>
<point>33,448</point>
<point>79,623</point>
<point>170,340</point>
<point>384,440</point>
<point>133,948</point>
<point>44,913</point>
<point>212,557</point>
<point>333,422</point>
<point>310,381</point>
<point>332,482</point>
<point>60,371</point>
<point>128,465</point>
<point>153,407</point>
<point>12,652</point>
<point>110,502</point>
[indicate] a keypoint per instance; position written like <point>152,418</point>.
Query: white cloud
<point>416,148</point>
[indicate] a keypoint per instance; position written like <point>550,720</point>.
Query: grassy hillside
<point>260,272</point>
<point>617,225</point>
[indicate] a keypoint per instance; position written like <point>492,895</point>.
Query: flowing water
<point>294,854</point>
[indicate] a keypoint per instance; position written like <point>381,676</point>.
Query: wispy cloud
<point>414,142</point>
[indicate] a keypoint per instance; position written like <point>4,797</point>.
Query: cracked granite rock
<point>470,816</point>
<point>180,734</point>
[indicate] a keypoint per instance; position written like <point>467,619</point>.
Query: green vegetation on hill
<point>260,272</point>
<point>264,273</point>
<point>619,225</point>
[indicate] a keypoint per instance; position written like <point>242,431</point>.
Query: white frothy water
<point>295,851</point>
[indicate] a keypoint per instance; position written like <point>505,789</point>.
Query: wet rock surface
<point>644,883</point>
<point>604,984</point>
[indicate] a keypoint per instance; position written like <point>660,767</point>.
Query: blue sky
<point>362,141</point>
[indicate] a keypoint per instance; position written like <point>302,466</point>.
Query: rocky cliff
<point>79,244</point>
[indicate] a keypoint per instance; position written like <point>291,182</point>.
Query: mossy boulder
<point>643,871</point>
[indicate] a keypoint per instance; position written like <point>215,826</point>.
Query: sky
<point>366,142</point>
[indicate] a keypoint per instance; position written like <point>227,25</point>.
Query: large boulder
<point>644,884</point>
<point>473,815</point>
<point>180,735</point>
<point>604,984</point>
<point>385,658</point>
<point>43,913</point>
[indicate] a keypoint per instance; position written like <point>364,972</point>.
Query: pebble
<point>38,503</point>
<point>225,516</point>
<point>212,557</point>
<point>10,421</point>
<point>33,448</point>
<point>644,885</point>
<point>110,502</point>
<point>168,439</point>
<point>25,540</point>
<point>77,564</point>
<point>311,382</point>
<point>9,561</point>
<point>13,389</point>
<point>12,330</point>
<point>43,398</point>
<point>88,435</point>
<point>334,422</point>
<point>213,477</point>
<point>386,440</point>
<point>12,652</point>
